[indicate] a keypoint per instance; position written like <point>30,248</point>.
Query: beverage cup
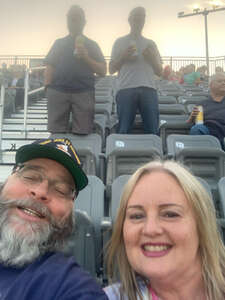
<point>79,41</point>
<point>199,117</point>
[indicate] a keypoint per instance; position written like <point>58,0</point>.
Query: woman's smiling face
<point>159,230</point>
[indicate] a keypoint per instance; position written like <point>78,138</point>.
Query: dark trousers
<point>143,99</point>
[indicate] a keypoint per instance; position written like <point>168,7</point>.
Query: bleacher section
<point>109,158</point>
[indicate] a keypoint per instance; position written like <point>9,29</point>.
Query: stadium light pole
<point>204,12</point>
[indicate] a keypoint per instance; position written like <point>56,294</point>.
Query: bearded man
<point>36,218</point>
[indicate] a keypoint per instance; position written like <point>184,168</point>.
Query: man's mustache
<point>31,204</point>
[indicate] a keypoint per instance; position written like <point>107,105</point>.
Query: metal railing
<point>174,61</point>
<point>27,93</point>
<point>27,60</point>
<point>2,101</point>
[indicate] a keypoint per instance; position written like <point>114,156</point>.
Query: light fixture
<point>196,10</point>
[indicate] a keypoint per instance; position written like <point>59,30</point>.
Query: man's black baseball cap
<point>60,150</point>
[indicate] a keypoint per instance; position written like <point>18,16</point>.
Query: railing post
<point>26,87</point>
<point>2,100</point>
<point>171,62</point>
<point>15,60</point>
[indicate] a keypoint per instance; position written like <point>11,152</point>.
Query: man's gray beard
<point>21,247</point>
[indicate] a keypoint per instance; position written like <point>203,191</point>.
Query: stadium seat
<point>221,189</point>
<point>167,99</point>
<point>101,126</point>
<point>89,148</point>
<point>116,192</point>
<point>91,200</point>
<point>103,97</point>
<point>115,195</point>
<point>191,99</point>
<point>137,126</point>
<point>126,152</point>
<point>172,109</point>
<point>81,244</point>
<point>206,186</point>
<point>202,154</point>
<point>104,109</point>
<point>173,124</point>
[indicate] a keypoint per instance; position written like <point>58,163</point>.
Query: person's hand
<point>128,54</point>
<point>81,52</point>
<point>148,53</point>
<point>193,114</point>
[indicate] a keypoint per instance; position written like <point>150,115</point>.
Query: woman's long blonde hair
<point>211,248</point>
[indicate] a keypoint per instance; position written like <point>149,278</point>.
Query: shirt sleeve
<point>156,50</point>
<point>53,54</point>
<point>116,50</point>
<point>96,53</point>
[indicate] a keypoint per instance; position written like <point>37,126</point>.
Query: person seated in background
<point>213,111</point>
<point>34,79</point>
<point>191,77</point>
<point>219,69</point>
<point>6,76</point>
<point>17,84</point>
<point>169,74</point>
<point>165,243</point>
<point>203,76</point>
<point>19,99</point>
<point>36,209</point>
<point>180,74</point>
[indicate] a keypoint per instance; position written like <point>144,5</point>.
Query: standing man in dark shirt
<point>213,111</point>
<point>70,67</point>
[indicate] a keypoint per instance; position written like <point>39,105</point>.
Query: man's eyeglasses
<point>32,176</point>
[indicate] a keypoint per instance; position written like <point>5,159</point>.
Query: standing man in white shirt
<point>137,61</point>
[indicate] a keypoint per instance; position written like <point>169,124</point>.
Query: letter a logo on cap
<point>63,148</point>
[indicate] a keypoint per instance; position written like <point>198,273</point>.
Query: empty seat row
<point>125,153</point>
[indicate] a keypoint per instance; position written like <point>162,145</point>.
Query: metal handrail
<point>27,93</point>
<point>174,61</point>
<point>2,102</point>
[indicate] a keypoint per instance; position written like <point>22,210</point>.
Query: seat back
<point>88,147</point>
<point>91,200</point>
<point>177,142</point>
<point>206,186</point>
<point>221,189</point>
<point>116,192</point>
<point>167,99</point>
<point>81,243</point>
<point>126,152</point>
<point>191,99</point>
<point>172,124</point>
<point>202,154</point>
<point>172,109</point>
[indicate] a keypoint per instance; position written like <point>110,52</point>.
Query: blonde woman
<point>165,243</point>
